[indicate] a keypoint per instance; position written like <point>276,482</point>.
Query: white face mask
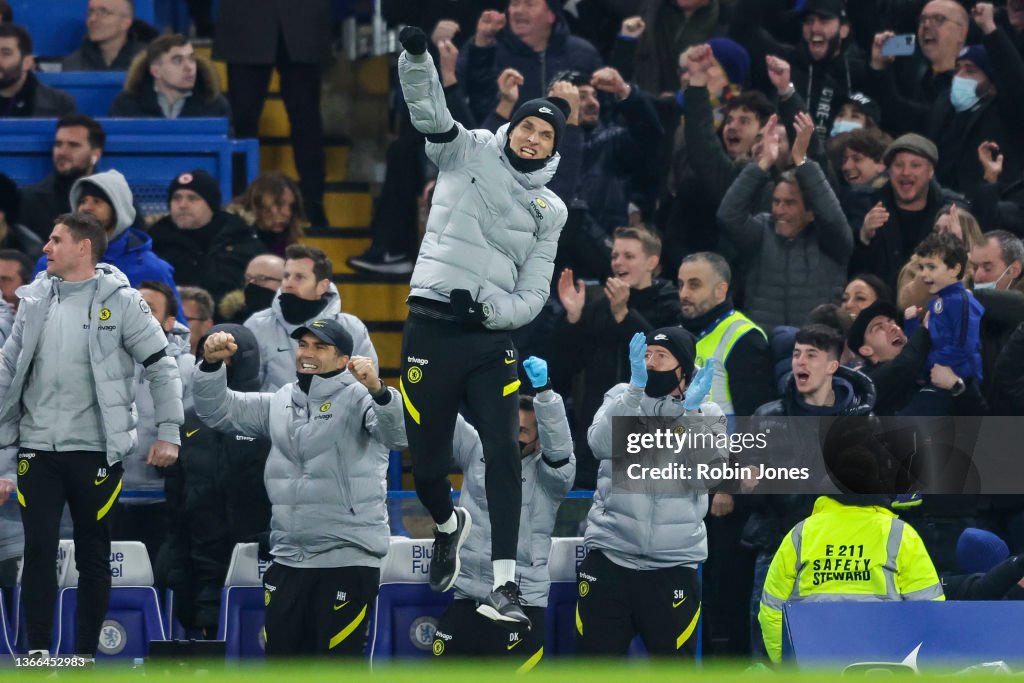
<point>991,285</point>
<point>845,126</point>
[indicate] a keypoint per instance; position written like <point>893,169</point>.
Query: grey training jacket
<point>326,472</point>
<point>122,333</point>
<point>492,230</point>
<point>547,477</point>
<point>651,530</point>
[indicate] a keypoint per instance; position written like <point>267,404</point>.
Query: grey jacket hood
<point>111,279</point>
<point>114,185</point>
<point>535,179</point>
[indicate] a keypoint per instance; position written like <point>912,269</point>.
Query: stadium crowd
<point>776,208</point>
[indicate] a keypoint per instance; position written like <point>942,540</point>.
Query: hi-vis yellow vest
<point>717,344</point>
<point>845,553</point>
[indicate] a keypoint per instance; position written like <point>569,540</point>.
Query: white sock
<point>449,526</point>
<point>504,572</point>
<point>45,653</point>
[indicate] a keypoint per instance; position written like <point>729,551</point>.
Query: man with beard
<point>21,93</point>
<point>306,294</point>
<point>825,67</point>
<point>330,428</point>
<point>77,148</point>
<point>742,379</point>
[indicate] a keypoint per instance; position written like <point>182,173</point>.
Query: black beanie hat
<point>200,182</point>
<point>10,200</point>
<point>554,110</point>
<point>679,343</point>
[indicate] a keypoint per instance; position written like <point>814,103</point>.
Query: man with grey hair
<point>109,43</point>
<point>997,263</point>
<point>198,306</point>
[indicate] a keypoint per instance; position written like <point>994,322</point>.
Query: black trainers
<point>444,565</point>
<point>505,606</point>
<point>382,262</point>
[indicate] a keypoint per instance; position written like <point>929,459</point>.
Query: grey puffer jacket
<point>277,348</point>
<point>138,475</point>
<point>122,334</point>
<point>788,276</point>
<point>547,476</point>
<point>492,230</point>
<point>651,530</point>
<point>326,472</point>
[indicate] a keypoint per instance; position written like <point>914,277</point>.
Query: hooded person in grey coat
<point>330,432</point>
<point>549,468</point>
<point>67,378</point>
<point>484,269</point>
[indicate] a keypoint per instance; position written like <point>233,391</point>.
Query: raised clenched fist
<point>219,346</point>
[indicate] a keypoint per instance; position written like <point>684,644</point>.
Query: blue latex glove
<point>700,386</point>
<point>537,371</point>
<point>638,360</point>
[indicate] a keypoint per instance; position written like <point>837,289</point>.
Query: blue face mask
<point>994,283</point>
<point>840,127</point>
<point>964,93</point>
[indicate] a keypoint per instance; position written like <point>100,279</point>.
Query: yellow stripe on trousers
<point>347,631</point>
<point>510,388</point>
<point>531,662</point>
<point>409,407</point>
<point>685,635</point>
<point>110,503</point>
<point>579,622</point>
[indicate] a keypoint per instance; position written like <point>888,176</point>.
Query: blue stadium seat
<point>133,618</point>
<point>150,153</point>
<point>57,26</point>
<point>94,91</point>
<point>407,609</point>
<point>242,607</point>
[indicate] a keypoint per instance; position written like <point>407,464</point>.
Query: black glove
<point>468,312</point>
<point>413,39</point>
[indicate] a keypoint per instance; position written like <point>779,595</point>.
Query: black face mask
<point>528,448</point>
<point>297,311</point>
<point>520,164</point>
<point>305,379</point>
<point>258,298</point>
<point>661,383</point>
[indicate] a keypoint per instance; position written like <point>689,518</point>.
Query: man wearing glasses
<point>109,43</point>
<point>904,86</point>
